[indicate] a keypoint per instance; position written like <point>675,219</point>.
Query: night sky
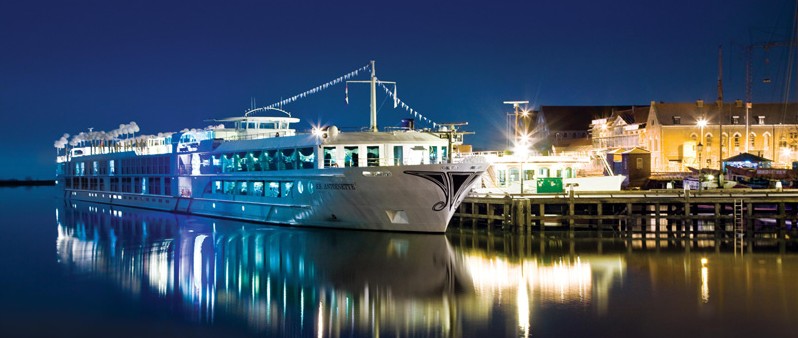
<point>66,66</point>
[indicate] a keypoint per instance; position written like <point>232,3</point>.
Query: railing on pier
<point>715,214</point>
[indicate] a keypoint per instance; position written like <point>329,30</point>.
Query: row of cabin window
<point>136,185</point>
<point>513,174</point>
<point>154,165</point>
<point>254,188</point>
<point>260,160</point>
<point>351,156</point>
<point>261,125</point>
<point>150,165</point>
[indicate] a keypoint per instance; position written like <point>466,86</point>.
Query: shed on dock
<point>747,160</point>
<point>634,163</point>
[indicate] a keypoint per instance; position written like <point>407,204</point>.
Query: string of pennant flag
<point>319,88</point>
<point>398,103</point>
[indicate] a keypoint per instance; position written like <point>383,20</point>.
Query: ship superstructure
<point>259,168</point>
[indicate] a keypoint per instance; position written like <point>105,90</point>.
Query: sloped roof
<point>637,150</point>
<point>635,114</point>
<point>634,150</point>
<point>774,113</point>
<point>580,117</point>
<point>742,157</point>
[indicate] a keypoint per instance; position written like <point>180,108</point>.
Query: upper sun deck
<point>254,127</point>
<point>125,138</point>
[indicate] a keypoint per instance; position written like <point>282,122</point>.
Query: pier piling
<point>748,215</point>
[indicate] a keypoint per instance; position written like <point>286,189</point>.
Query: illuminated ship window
<point>307,159</point>
<point>229,187</point>
<point>373,156</point>
<point>398,155</point>
<point>274,189</point>
<point>287,188</point>
<point>289,159</point>
<point>433,154</point>
<point>257,188</point>
<point>351,155</point>
<point>329,157</point>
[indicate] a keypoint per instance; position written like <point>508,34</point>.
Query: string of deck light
<point>319,88</point>
<point>398,103</point>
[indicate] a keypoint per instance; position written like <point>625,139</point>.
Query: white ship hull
<point>258,168</point>
<point>415,198</point>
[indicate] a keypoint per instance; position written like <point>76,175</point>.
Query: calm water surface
<point>87,270</point>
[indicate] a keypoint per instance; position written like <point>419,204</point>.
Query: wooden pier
<point>717,214</point>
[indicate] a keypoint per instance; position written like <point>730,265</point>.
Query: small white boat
<point>533,174</point>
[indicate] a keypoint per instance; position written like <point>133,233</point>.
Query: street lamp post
<point>700,148</point>
<point>520,135</point>
<point>702,122</point>
<point>518,112</point>
<point>521,151</point>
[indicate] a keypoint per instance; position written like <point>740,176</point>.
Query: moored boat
<point>259,168</point>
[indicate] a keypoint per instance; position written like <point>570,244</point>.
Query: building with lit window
<point>572,124</point>
<point>623,129</point>
<point>701,135</point>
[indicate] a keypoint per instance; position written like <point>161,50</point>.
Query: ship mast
<point>373,124</point>
<point>373,102</point>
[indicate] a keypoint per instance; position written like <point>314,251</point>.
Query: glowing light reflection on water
<point>227,277</point>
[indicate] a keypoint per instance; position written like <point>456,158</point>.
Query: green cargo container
<point>550,185</point>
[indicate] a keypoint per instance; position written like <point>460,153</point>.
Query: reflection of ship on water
<point>286,281</point>
<point>300,282</point>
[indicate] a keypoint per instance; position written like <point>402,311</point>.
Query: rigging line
<point>408,108</point>
<point>791,51</point>
<point>390,95</point>
<point>320,87</point>
<point>382,103</point>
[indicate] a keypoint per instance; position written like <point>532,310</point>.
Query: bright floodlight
<point>521,150</point>
<point>702,123</point>
<point>522,145</point>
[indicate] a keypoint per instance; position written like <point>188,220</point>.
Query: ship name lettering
<point>337,186</point>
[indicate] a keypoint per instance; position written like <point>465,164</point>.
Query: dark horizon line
<point>25,183</point>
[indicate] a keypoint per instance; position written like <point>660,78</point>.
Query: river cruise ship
<point>259,168</point>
